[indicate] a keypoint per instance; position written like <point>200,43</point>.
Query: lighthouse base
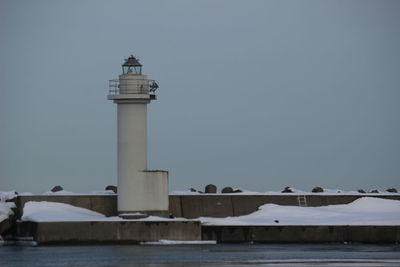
<point>143,192</point>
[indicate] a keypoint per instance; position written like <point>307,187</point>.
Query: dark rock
<point>57,188</point>
<point>237,191</point>
<point>210,189</point>
<point>375,191</point>
<point>361,191</point>
<point>391,190</point>
<point>317,190</point>
<point>112,188</point>
<point>227,189</point>
<point>287,190</point>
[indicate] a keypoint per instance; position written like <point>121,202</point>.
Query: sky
<point>253,94</point>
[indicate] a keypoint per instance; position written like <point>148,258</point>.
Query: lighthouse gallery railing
<point>149,88</point>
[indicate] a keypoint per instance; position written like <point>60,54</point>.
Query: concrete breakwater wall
<point>4,225</point>
<point>204,205</point>
<point>302,234</point>
<point>194,206</point>
<point>109,231</point>
<point>141,231</point>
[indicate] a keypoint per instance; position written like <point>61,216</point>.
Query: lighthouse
<point>141,191</point>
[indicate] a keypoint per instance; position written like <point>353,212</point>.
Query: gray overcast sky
<point>253,94</point>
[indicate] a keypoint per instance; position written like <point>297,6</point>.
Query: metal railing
<point>113,87</point>
<point>149,88</point>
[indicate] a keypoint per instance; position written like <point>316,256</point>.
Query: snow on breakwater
<point>179,242</point>
<point>333,192</point>
<point>52,211</point>
<point>45,211</point>
<point>4,196</point>
<point>5,210</point>
<point>69,193</point>
<point>363,211</point>
<point>6,207</point>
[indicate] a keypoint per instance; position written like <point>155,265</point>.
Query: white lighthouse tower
<point>139,190</point>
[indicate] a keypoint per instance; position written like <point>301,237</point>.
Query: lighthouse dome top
<point>132,61</point>
<point>132,66</point>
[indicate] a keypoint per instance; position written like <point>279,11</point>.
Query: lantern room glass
<point>132,70</point>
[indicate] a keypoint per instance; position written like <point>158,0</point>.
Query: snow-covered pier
<point>67,218</point>
<point>203,205</point>
<point>365,220</point>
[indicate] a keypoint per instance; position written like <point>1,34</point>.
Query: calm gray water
<point>204,255</point>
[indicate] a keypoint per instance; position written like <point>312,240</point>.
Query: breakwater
<point>203,205</point>
<point>194,206</point>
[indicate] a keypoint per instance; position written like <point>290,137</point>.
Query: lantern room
<point>132,66</point>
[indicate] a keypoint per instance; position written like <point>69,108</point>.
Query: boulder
<point>112,188</point>
<point>237,191</point>
<point>57,188</point>
<point>210,189</point>
<point>317,189</point>
<point>361,191</point>
<point>374,191</point>
<point>391,190</point>
<point>227,190</point>
<point>287,190</point>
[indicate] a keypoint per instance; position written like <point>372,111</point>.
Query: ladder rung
<point>302,201</point>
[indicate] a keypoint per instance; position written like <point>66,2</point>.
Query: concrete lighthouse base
<point>146,194</point>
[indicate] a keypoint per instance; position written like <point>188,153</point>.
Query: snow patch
<point>62,192</point>
<point>39,211</point>
<point>296,192</point>
<point>184,192</point>
<point>179,242</point>
<point>102,192</point>
<point>363,211</point>
<point>6,210</point>
<point>45,211</point>
<point>4,196</point>
<point>69,193</point>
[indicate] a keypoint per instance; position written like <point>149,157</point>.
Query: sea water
<point>203,255</point>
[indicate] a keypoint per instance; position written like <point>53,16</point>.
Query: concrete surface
<point>140,231</point>
<point>194,206</point>
<point>208,205</point>
<point>4,225</point>
<point>109,232</point>
<point>302,234</point>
